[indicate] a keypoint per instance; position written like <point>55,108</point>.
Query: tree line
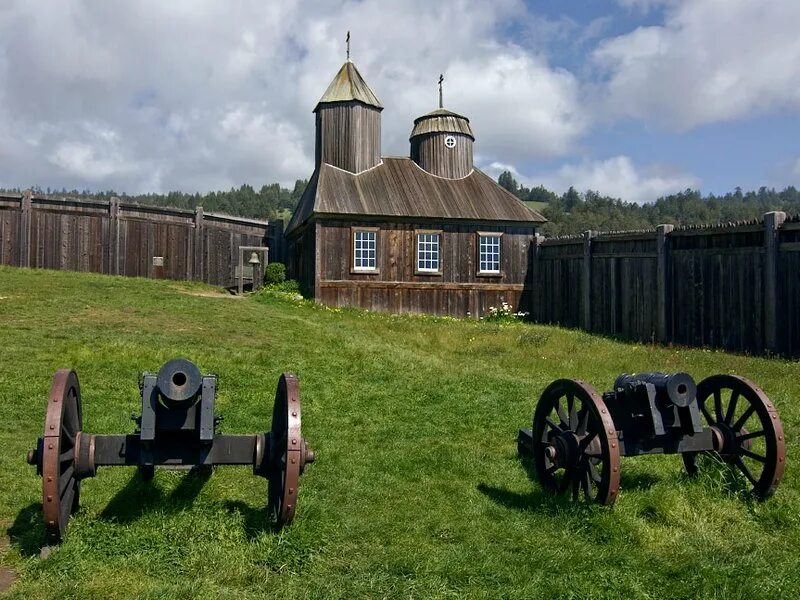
<point>270,202</point>
<point>569,213</point>
<point>573,212</point>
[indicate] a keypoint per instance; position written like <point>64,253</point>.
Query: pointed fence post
<point>198,271</point>
<point>772,224</point>
<point>113,245</point>
<point>25,206</point>
<point>586,303</point>
<point>662,291</point>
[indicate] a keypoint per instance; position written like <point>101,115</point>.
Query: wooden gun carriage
<point>578,436</point>
<point>177,428</point>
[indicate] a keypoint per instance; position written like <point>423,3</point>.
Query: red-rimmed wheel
<point>62,428</point>
<point>288,452</point>
<point>748,433</point>
<point>575,448</point>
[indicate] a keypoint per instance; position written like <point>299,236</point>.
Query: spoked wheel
<point>748,434</point>
<point>288,451</point>
<point>575,443</point>
<point>62,428</point>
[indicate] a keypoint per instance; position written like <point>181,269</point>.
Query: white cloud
<point>203,95</point>
<point>712,60</point>
<point>617,177</point>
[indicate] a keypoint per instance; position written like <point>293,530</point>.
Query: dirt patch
<point>210,294</point>
<point>7,576</point>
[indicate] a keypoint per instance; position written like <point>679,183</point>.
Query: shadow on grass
<point>256,520</point>
<point>141,495</point>
<point>27,531</point>
<point>545,502</point>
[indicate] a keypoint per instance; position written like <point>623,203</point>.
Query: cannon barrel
<point>679,388</point>
<point>179,381</point>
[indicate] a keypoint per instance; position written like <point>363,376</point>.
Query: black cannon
<point>578,436</point>
<point>177,429</point>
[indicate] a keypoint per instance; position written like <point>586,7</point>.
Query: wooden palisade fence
<point>734,286</point>
<point>120,238</point>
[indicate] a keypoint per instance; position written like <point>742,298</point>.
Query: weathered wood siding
<point>789,288</point>
<point>348,136</point>
<point>724,286</point>
<point>431,153</point>
<point>397,287</point>
<point>301,258</point>
<point>557,283</point>
<point>10,217</point>
<point>622,288</point>
<point>123,239</point>
<point>716,285</point>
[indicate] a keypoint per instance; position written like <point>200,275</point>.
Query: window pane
<point>428,252</point>
<point>489,254</point>
<point>364,249</point>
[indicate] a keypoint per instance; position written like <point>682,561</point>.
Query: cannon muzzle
<point>179,381</point>
<point>676,388</point>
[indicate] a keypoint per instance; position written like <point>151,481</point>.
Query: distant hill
<point>573,212</point>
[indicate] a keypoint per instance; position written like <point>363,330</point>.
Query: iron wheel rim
<point>587,451</point>
<point>750,430</point>
<point>63,423</point>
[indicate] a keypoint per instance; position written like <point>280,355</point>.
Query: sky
<point>631,98</point>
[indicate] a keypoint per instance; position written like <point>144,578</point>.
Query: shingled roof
<point>398,187</point>
<point>442,120</point>
<point>347,85</point>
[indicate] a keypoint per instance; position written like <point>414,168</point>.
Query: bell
<point>254,259</point>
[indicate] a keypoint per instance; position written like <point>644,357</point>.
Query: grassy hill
<point>416,491</point>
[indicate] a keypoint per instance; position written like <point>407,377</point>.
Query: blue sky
<point>631,98</point>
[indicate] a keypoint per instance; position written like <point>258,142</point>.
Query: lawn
<point>416,491</point>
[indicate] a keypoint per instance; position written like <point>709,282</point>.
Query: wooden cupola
<point>348,119</point>
<point>441,142</point>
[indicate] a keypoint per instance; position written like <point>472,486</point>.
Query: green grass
<point>416,491</point>
<point>537,206</point>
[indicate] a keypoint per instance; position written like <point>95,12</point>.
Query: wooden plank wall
<point>396,286</point>
<point>348,136</point>
<point>119,238</point>
<point>622,289</point>
<point>723,286</point>
<point>557,282</point>
<point>789,288</point>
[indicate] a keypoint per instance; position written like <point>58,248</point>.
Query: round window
<point>450,141</point>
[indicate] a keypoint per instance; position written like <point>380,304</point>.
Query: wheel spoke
<point>66,478</point>
<point>753,455</point>
<point>732,407</point>
<point>594,474</point>
<point>586,485</point>
<point>583,421</point>
<point>67,435</point>
<point>706,414</point>
<point>562,415</point>
<point>584,443</point>
<point>66,501</point>
<point>573,413</point>
<point>743,468</point>
<point>718,404</point>
<point>68,455</point>
<point>749,436</point>
<point>743,419</point>
<point>552,424</point>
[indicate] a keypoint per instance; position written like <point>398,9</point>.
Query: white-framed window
<point>489,253</point>
<point>428,260</point>
<point>365,249</point>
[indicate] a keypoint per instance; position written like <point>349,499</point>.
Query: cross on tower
<point>348,45</point>
<point>441,79</point>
